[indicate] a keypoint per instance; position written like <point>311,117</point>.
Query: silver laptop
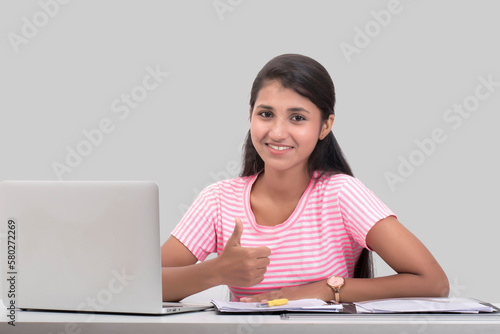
<point>89,246</point>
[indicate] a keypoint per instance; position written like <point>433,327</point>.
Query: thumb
<point>234,239</point>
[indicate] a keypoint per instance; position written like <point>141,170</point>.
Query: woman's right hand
<point>242,266</point>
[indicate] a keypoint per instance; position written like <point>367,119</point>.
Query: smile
<point>280,148</point>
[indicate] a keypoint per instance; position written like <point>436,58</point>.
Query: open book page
<point>438,305</point>
<point>301,305</point>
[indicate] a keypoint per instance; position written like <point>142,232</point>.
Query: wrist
<point>328,293</point>
<point>322,291</point>
<point>335,283</point>
<point>214,272</point>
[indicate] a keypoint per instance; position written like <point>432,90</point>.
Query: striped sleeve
<point>196,229</point>
<point>360,209</point>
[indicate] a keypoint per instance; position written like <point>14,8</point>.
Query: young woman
<point>296,224</point>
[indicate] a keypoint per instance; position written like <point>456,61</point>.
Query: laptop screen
<point>84,245</point>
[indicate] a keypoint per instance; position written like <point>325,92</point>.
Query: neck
<point>285,185</point>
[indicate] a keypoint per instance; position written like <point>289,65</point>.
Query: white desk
<point>210,322</point>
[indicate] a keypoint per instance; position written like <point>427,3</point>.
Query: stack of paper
<point>301,305</point>
<point>436,305</point>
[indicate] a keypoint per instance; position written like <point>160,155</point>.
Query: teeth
<point>280,148</point>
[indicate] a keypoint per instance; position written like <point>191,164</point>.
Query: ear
<point>250,114</point>
<point>326,127</point>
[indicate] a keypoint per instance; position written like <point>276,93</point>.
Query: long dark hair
<point>310,79</point>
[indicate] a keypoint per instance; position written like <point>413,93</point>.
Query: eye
<point>298,118</point>
<point>265,114</point>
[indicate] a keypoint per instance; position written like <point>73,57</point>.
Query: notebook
<point>89,246</point>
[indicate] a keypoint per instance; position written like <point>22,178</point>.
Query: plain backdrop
<point>418,97</point>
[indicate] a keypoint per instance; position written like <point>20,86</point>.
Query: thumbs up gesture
<point>242,266</point>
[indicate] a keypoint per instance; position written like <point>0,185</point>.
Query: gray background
<point>187,133</point>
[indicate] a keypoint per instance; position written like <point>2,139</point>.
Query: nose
<point>278,130</point>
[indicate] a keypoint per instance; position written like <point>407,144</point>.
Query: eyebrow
<point>296,109</point>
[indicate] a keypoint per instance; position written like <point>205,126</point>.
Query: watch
<point>336,282</point>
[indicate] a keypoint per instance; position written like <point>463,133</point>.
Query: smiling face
<point>285,127</point>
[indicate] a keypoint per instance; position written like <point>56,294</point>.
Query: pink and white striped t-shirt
<point>323,237</point>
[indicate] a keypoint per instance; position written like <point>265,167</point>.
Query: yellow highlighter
<point>275,302</point>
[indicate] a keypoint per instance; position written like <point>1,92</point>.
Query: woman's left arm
<point>418,273</point>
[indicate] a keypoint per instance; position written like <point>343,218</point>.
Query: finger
<point>262,262</point>
<point>262,251</point>
<point>261,297</point>
<point>234,239</point>
<point>252,299</point>
<point>260,272</point>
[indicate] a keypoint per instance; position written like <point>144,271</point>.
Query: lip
<point>277,151</point>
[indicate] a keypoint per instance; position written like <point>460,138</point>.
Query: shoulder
<point>334,182</point>
<point>233,185</point>
<point>341,186</point>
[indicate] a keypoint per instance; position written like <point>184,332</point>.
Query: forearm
<point>359,289</point>
<point>399,285</point>
<point>181,282</point>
